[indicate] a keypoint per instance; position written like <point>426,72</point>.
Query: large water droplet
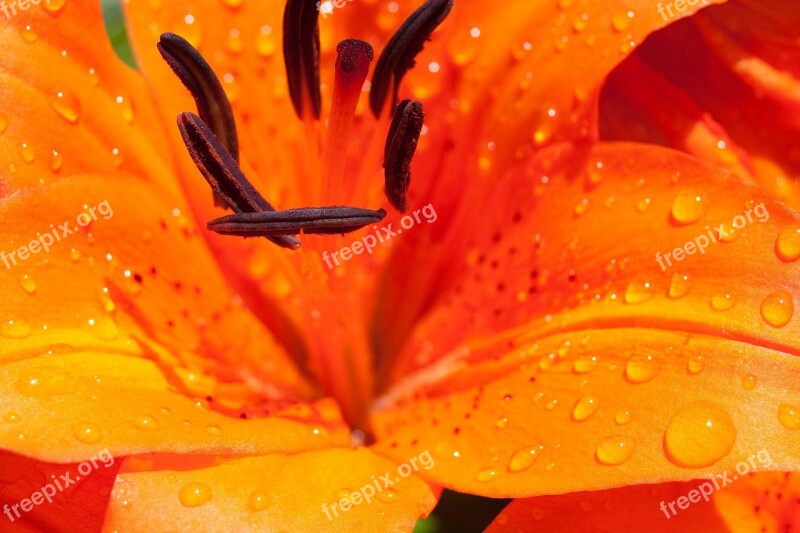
<point>615,450</point>
<point>641,368</point>
<point>696,364</point>
<point>699,435</point>
<point>487,474</point>
<point>638,292</point>
<point>777,309</point>
<point>523,459</point>
<point>723,302</point>
<point>622,20</point>
<point>689,207</point>
<point>66,105</point>
<point>789,415</point>
<point>54,7</point>
<point>679,286</point>
<point>27,283</point>
<point>15,329</point>
<point>787,247</point>
<point>194,494</point>
<point>585,407</point>
<point>622,417</point>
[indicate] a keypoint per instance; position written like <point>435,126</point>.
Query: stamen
<point>400,52</point>
<point>301,54</point>
<point>222,173</point>
<point>352,64</point>
<point>198,77</point>
<point>401,143</point>
<point>316,220</point>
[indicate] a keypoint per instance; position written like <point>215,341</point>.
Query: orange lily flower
<point>590,306</point>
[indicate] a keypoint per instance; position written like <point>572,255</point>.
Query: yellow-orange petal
<point>271,493</point>
<point>562,318</point>
<point>760,502</point>
<point>64,408</point>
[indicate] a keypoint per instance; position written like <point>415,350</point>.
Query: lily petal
<point>271,493</point>
<point>553,317</point>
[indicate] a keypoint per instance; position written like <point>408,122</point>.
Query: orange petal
<point>764,502</point>
<point>75,505</point>
<point>271,493</point>
<point>560,320</point>
<point>741,76</point>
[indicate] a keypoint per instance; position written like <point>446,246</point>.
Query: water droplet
<point>145,422</point>
<point>501,422</point>
<point>777,309</point>
<point>74,254</point>
<point>27,153</point>
<point>66,105</point>
<point>679,286</point>
<point>638,292</point>
<point>232,4</point>
<point>486,475</point>
<point>749,382</point>
<point>696,364</point>
<point>126,107</point>
<point>27,34</point>
<point>15,329</point>
<point>46,381</point>
<point>699,434</point>
<point>27,283</point>
<point>615,450</point>
<point>87,433</point>
<point>641,368</point>
<point>689,207</point>
<point>446,450</point>
<point>258,501</point>
<point>194,494</point>
<point>523,459</point>
<point>787,247</point>
<point>584,365</point>
<point>622,417</point>
<point>585,407</point>
<point>387,495</point>
<point>56,161</point>
<point>104,328</point>
<point>213,429</point>
<point>722,302</point>
<point>54,7</point>
<point>105,300</point>
<point>11,417</point>
<point>622,20</point>
<point>789,415</point>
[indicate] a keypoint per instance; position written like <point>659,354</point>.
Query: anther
<point>301,54</point>
<point>401,50</point>
<point>401,143</point>
<point>316,220</point>
<point>198,77</point>
<point>222,173</point>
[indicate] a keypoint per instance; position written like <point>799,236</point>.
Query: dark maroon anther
<point>316,220</point>
<point>301,54</point>
<point>401,143</point>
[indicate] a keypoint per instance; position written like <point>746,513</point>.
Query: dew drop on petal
<point>622,417</point>
<point>523,459</point>
<point>777,309</point>
<point>15,329</point>
<point>486,475</point>
<point>723,302</point>
<point>787,246</point>
<point>679,286</point>
<point>54,7</point>
<point>145,422</point>
<point>615,450</point>
<point>258,501</point>
<point>387,495</point>
<point>213,429</point>
<point>641,368</point>
<point>87,433</point>
<point>638,292</point>
<point>27,283</point>
<point>699,434</point>
<point>689,207</point>
<point>749,382</point>
<point>66,105</point>
<point>585,407</point>
<point>789,415</point>
<point>696,364</point>
<point>194,494</point>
